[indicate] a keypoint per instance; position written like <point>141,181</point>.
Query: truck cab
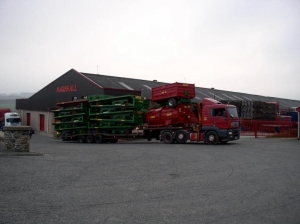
<point>220,121</point>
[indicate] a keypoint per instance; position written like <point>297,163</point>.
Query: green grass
<point>11,104</point>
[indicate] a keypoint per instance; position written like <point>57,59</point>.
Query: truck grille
<point>236,133</point>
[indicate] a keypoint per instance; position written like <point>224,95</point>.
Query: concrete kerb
<point>5,153</point>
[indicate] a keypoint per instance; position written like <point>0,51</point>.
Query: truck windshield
<point>13,120</point>
<point>232,112</point>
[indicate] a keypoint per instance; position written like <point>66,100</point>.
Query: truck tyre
<point>167,137</point>
<point>172,102</point>
<point>81,139</point>
<point>90,138</point>
<point>98,139</point>
<point>181,136</point>
<point>212,138</point>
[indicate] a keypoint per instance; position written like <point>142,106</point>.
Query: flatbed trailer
<point>104,137</point>
<point>166,135</point>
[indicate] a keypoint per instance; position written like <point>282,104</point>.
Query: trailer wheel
<point>172,102</point>
<point>167,137</point>
<point>90,138</point>
<point>181,137</point>
<point>98,139</point>
<point>212,138</point>
<point>81,139</point>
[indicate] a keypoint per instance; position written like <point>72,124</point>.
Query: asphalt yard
<point>245,181</point>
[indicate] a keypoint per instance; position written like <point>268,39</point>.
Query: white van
<point>12,119</point>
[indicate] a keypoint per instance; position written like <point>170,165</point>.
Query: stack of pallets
<point>257,110</point>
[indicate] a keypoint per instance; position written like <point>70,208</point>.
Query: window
<point>13,120</point>
<point>233,112</point>
<point>221,112</point>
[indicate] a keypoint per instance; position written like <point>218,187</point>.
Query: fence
<point>257,128</point>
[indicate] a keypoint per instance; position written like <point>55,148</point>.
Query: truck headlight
<point>235,124</point>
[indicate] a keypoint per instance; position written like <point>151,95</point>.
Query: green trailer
<point>100,118</point>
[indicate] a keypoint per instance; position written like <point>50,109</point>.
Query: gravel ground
<point>245,181</point>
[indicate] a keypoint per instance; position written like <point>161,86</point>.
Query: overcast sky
<point>250,46</point>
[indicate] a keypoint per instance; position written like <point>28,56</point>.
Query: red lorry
<point>209,121</point>
<point>173,118</point>
<point>180,120</point>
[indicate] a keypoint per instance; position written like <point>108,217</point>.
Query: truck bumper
<point>229,135</point>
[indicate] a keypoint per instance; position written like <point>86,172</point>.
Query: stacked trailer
<point>71,118</point>
<point>176,106</point>
<point>175,119</point>
<point>101,118</point>
<point>113,117</point>
<point>172,94</point>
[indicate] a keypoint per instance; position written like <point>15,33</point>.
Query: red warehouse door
<point>42,122</point>
<point>28,119</point>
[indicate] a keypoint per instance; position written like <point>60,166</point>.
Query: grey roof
<point>146,85</point>
<point>125,83</point>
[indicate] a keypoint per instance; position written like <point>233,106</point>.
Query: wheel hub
<point>180,136</point>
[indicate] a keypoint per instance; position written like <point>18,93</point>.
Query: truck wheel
<point>181,137</point>
<point>99,139</point>
<point>81,139</point>
<point>172,102</point>
<point>167,137</point>
<point>212,138</point>
<point>90,138</point>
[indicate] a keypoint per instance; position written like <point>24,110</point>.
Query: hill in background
<point>13,96</point>
<point>9,100</point>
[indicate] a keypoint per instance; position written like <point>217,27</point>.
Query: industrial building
<point>36,110</point>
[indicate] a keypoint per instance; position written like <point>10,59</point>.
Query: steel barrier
<point>268,128</point>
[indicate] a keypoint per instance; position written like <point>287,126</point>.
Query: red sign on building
<point>69,88</point>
